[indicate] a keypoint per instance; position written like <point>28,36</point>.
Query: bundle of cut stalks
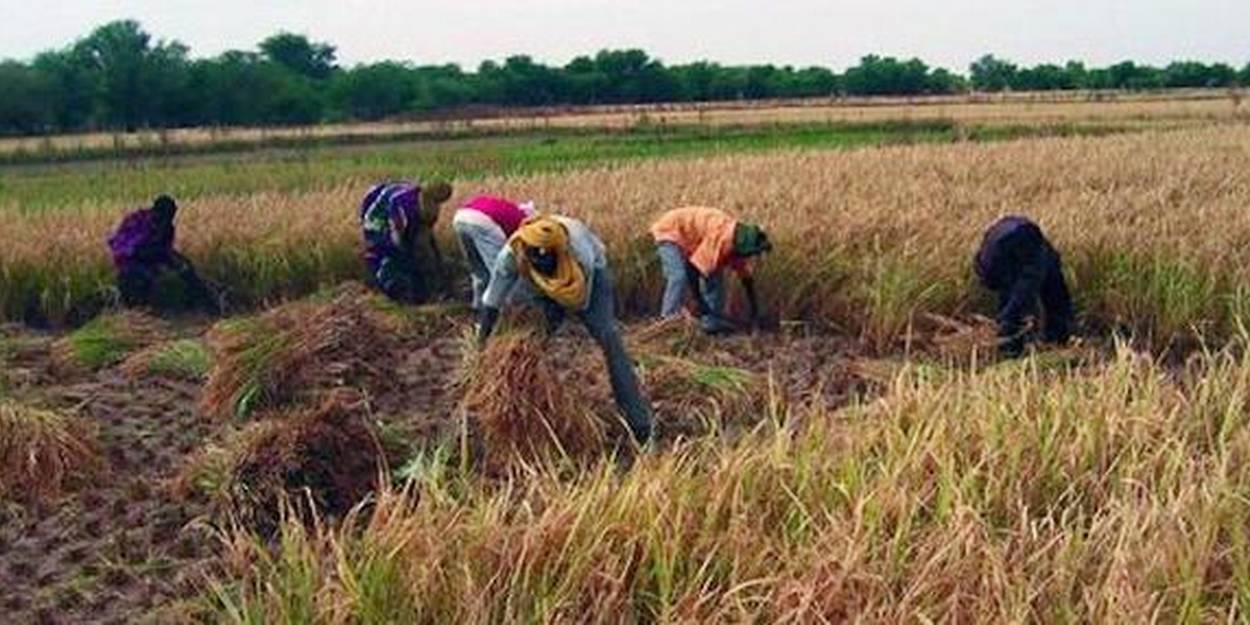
<point>185,359</point>
<point>675,335</point>
<point>107,340</point>
<point>298,351</point>
<point>43,452</point>
<point>693,397</point>
<point>523,411</point>
<point>959,342</point>
<point>321,462</point>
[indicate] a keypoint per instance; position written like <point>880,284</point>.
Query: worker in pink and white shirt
<point>483,224</point>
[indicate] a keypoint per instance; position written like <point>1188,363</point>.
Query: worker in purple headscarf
<point>143,249</point>
<point>396,218</point>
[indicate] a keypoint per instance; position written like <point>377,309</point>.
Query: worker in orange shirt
<point>696,244</point>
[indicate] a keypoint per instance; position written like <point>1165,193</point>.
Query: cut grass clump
<point>43,452</point>
<point>108,339</point>
<point>298,351</point>
<point>697,398</point>
<point>205,475</point>
<point>318,461</point>
<point>185,359</point>
<point>522,409</point>
<point>680,369</point>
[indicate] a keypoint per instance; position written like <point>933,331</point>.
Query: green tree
<point>375,91</point>
<point>23,109</point>
<point>239,88</point>
<point>876,75</point>
<point>1129,75</point>
<point>1076,75</point>
<point>138,82</point>
<point>314,61</point>
<point>1198,74</point>
<point>74,88</point>
<point>586,84</point>
<point>1044,77</point>
<point>991,74</point>
<point>943,81</point>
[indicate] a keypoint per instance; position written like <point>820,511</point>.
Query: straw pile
<point>297,352</point>
<point>43,452</point>
<point>521,409</point>
<point>320,461</point>
<point>107,340</point>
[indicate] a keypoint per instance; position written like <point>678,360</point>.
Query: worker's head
<point>165,208</point>
<point>542,239</point>
<point>436,192</point>
<point>542,259</point>
<point>750,240</point>
<point>433,195</point>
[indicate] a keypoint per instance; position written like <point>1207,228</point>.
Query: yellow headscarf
<point>568,285</point>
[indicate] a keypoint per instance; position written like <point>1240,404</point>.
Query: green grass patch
<point>186,358</point>
<point>105,340</point>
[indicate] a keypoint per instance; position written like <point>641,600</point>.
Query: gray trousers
<point>600,321</point>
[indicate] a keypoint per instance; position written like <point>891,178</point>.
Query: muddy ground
<point>127,549</point>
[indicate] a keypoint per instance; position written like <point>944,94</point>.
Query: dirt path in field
<point>114,551</point>
<point>127,549</point>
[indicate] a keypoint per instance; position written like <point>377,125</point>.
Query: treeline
<point>118,77</point>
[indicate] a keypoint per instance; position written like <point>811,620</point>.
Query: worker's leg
<point>673,266</point>
<point>135,283</point>
<point>1012,320</point>
<point>600,320</point>
<point>1056,303</point>
<point>468,233</point>
<point>714,294</point>
<point>200,294</point>
<point>394,278</point>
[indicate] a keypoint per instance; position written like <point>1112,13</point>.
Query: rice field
<point>868,238</point>
<point>865,458</point>
<point>1175,106</point>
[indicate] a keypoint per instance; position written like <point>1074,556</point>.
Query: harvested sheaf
<point>43,452</point>
<point>694,398</point>
<point>522,409</point>
<point>321,461</point>
<point>107,340</point>
<point>186,359</point>
<point>961,342</point>
<point>690,380</point>
<point>298,351</point>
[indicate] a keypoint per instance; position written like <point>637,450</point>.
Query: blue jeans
<point>600,321</point>
<point>712,288</point>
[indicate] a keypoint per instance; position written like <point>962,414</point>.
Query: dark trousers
<point>137,283</point>
<point>1020,299</point>
<point>397,276</point>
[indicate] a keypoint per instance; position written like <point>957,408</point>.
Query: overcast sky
<point>800,32</point>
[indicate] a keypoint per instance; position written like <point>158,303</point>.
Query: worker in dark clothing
<point>143,249</point>
<point>1021,267</point>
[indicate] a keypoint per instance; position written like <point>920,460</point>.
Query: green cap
<point>750,240</point>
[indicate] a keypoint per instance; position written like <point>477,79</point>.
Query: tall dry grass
<point>1151,226</point>
<point>1112,493</point>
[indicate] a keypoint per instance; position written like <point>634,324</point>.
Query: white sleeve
<point>503,276</point>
